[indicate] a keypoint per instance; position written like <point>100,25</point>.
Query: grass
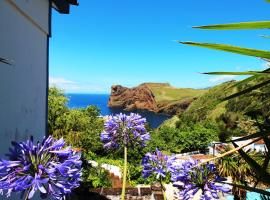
<point>170,122</point>
<point>165,92</point>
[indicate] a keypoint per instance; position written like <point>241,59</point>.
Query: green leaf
<point>238,73</point>
<point>260,173</point>
<point>249,79</point>
<point>254,135</point>
<point>232,49</point>
<point>238,26</point>
<point>242,82</point>
<point>237,94</point>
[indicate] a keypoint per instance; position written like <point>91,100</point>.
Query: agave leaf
<point>238,73</point>
<point>232,49</point>
<point>229,152</point>
<point>237,26</point>
<point>254,135</point>
<point>249,79</point>
<point>261,174</point>
<point>244,81</point>
<point>237,94</point>
<point>264,192</point>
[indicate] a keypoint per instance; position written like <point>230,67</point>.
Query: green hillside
<point>207,106</point>
<point>166,92</point>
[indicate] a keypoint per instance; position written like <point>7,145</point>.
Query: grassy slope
<point>167,93</point>
<point>201,107</point>
<point>170,122</point>
<point>205,105</point>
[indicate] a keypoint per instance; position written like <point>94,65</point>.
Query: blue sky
<point>128,42</point>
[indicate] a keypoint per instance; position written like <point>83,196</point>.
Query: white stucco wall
<point>23,39</point>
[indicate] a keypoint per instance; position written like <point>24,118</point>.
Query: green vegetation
<point>227,115</point>
<point>165,92</point>
<point>207,119</point>
<point>79,127</point>
<point>188,137</point>
<point>249,101</point>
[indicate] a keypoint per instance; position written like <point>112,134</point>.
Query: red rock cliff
<point>140,97</point>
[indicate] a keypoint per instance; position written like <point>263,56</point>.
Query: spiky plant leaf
<point>252,136</point>
<point>237,94</point>
<point>237,26</point>
<point>238,73</point>
<point>242,82</point>
<point>260,172</point>
<point>232,49</point>
<point>230,151</point>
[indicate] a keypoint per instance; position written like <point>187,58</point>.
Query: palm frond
<point>232,49</point>
<point>230,151</point>
<point>237,94</point>
<point>238,73</point>
<point>237,26</point>
<point>260,173</point>
<point>252,136</point>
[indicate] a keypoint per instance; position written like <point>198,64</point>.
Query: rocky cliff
<point>143,97</point>
<point>140,97</point>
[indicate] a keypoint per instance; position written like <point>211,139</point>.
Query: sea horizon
<point>83,100</point>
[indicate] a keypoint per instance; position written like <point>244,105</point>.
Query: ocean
<point>101,100</point>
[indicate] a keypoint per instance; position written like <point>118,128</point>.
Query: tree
<point>237,168</point>
<point>56,108</point>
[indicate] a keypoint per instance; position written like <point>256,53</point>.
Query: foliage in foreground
<point>261,117</point>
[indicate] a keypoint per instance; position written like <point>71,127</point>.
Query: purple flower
<point>159,164</point>
<point>46,167</point>
<point>127,130</point>
<point>191,177</point>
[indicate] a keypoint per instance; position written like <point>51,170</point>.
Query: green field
<point>165,92</point>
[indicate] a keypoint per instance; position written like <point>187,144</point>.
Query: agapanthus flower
<point>127,130</point>
<point>48,167</point>
<point>159,164</point>
<point>191,178</point>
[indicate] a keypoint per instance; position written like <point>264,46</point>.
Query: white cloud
<point>222,78</point>
<point>75,86</point>
<point>63,83</point>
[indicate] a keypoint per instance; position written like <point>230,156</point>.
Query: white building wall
<point>24,25</point>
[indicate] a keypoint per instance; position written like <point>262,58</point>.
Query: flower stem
<point>124,175</point>
<point>27,194</point>
<point>163,190</point>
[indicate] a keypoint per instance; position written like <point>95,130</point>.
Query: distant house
<point>25,28</point>
<point>259,146</point>
<point>215,148</point>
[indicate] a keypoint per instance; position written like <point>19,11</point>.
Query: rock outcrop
<point>141,97</point>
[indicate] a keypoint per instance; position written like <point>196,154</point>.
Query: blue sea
<point>101,100</point>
